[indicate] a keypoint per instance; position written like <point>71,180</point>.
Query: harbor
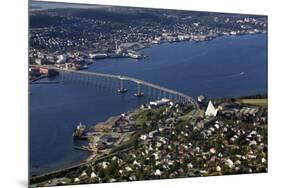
<point>103,136</point>
<point>101,141</point>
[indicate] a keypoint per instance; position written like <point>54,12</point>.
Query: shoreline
<point>91,157</point>
<point>83,160</point>
<point>87,159</point>
<point>147,46</point>
<point>94,157</point>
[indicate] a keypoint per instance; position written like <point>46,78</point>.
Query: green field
<point>257,102</point>
<point>192,113</point>
<point>147,115</point>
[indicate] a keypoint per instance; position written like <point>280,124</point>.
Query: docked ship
<point>79,131</point>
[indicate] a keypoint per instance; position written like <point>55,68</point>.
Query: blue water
<point>210,68</point>
<point>54,5</point>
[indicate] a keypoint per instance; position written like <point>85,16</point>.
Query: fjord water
<point>226,66</point>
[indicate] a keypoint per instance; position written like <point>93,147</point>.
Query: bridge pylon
<point>139,93</point>
<point>151,90</point>
<point>122,89</point>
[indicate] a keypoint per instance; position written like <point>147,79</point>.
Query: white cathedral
<point>211,110</point>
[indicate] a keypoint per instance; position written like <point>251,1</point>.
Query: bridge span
<point>142,87</point>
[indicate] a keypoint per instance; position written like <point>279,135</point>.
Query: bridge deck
<point>127,78</point>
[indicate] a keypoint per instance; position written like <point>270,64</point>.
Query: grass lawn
<point>143,116</point>
<point>126,144</point>
<point>141,119</point>
<point>257,102</point>
<point>192,113</point>
<point>187,116</point>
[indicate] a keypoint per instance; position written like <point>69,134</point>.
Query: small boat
<point>141,94</point>
<point>79,131</point>
<point>122,90</point>
<point>85,66</point>
<point>242,73</point>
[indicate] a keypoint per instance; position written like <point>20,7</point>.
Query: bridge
<point>118,82</point>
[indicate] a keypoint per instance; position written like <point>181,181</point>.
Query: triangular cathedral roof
<point>211,110</point>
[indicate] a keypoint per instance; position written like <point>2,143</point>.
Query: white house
<point>160,102</point>
<point>61,59</point>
